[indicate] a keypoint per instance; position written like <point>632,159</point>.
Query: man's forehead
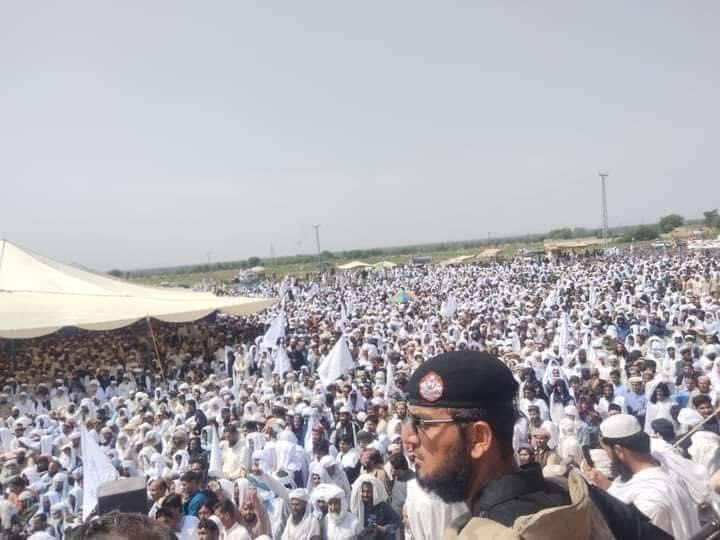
<point>416,410</point>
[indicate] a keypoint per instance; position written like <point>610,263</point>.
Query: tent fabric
<point>39,296</point>
<point>457,260</point>
<point>385,264</point>
<point>352,265</point>
<point>489,252</point>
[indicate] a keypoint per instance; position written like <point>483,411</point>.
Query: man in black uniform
<point>460,425</point>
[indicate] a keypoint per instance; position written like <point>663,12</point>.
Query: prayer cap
<point>463,379</point>
<point>620,426</point>
<point>300,493</point>
<point>625,430</point>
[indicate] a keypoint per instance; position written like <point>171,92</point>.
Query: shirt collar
<point>528,479</point>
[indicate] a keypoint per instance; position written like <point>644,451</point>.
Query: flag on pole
<point>97,470</point>
<point>390,382</point>
<point>216,462</point>
<point>564,335</point>
<point>275,332</point>
<point>337,363</point>
<point>282,362</point>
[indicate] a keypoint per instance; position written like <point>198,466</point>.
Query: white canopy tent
<point>39,296</point>
<point>353,265</point>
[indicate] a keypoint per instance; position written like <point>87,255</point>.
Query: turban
<point>300,493</point>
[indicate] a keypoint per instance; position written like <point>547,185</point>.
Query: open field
<point>300,265</point>
<point>301,268</point>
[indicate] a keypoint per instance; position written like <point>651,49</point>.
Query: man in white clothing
<point>302,524</point>
<point>339,523</point>
<point>640,480</point>
<point>232,530</point>
<point>235,454</point>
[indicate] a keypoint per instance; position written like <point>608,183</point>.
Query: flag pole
<point>155,347</point>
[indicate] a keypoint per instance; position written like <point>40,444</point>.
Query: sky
<point>139,134</point>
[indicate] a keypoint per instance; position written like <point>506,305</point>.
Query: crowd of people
<point>315,420</point>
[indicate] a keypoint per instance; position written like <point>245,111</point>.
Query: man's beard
<point>250,518</point>
<point>452,482</point>
<point>335,518</point>
<point>298,516</point>
<point>620,470</point>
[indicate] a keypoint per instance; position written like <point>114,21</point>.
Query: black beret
<point>462,379</point>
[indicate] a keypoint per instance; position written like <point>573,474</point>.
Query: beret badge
<point>431,387</point>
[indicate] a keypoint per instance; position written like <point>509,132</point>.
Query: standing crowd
<point>316,420</point>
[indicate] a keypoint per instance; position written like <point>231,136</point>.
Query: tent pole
<point>157,351</point>
<point>13,360</point>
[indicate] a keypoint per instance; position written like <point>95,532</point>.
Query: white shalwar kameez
<point>661,499</point>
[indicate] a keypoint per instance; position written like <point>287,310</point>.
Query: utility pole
<point>603,176</point>
<point>272,251</point>
<point>317,237</point>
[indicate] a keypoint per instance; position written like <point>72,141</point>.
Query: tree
<point>670,222</point>
<point>712,218</point>
<point>643,233</point>
<point>253,261</point>
<point>560,234</point>
<point>117,273</point>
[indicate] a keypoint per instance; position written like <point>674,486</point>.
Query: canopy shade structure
<point>39,296</point>
<point>573,244</point>
<point>489,253</point>
<point>352,265</point>
<point>457,260</point>
<point>385,264</point>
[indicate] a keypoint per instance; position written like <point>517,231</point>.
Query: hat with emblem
<point>462,379</point>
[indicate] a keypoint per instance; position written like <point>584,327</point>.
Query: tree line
<point>636,233</point>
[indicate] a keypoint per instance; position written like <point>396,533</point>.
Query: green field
<point>284,268</point>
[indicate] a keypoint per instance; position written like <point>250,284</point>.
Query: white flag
<point>284,287</point>
<point>564,335</point>
<point>282,362</point>
<point>390,383</point>
<point>216,462</point>
<point>97,470</point>
<point>337,363</point>
<point>275,332</point>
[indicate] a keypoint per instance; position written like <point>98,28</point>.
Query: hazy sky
<point>148,133</point>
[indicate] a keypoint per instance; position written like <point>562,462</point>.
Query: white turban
<point>301,494</point>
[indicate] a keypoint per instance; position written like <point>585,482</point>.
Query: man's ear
<point>618,451</point>
<point>480,437</point>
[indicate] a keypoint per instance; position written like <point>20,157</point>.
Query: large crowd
<point>292,424</point>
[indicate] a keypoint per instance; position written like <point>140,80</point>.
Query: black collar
<point>528,479</point>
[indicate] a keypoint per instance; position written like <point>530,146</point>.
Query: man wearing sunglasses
<point>462,411</point>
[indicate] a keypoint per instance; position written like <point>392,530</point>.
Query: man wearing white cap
<point>302,525</point>
<point>640,480</point>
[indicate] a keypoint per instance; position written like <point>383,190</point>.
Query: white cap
<point>620,426</point>
<point>299,493</point>
<point>689,417</point>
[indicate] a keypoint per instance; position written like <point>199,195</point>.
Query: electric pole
<point>603,176</point>
<point>317,237</point>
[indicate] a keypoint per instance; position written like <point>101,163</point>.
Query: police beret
<point>462,379</point>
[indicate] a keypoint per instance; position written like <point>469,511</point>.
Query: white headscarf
<point>380,495</point>
<point>705,450</point>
